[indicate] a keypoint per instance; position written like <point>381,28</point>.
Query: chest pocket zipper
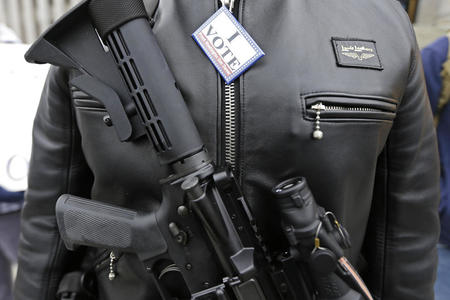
<point>347,108</point>
<point>84,101</point>
<point>108,261</point>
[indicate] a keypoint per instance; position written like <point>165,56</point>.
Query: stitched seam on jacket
<point>220,145</point>
<point>57,247</point>
<point>56,253</point>
<point>219,125</point>
<point>412,68</point>
<point>386,220</point>
<point>44,293</point>
<point>415,51</point>
<point>242,154</point>
<point>242,128</point>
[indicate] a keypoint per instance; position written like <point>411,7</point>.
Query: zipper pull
<point>112,259</point>
<point>317,133</point>
<point>229,4</point>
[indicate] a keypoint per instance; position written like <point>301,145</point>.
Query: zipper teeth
<point>104,260</point>
<point>321,106</point>
<point>230,125</point>
<point>350,108</point>
<point>229,4</point>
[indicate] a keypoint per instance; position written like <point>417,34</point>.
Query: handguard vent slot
<point>154,127</point>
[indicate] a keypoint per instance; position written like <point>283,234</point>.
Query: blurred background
<point>29,18</point>
<point>431,18</point>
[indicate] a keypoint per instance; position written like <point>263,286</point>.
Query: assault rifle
<point>204,231</point>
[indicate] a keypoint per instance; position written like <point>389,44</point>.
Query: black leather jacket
<point>376,170</point>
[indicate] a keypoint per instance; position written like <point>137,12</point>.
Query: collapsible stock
<point>124,27</point>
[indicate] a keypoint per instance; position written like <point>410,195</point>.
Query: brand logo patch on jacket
<point>356,53</point>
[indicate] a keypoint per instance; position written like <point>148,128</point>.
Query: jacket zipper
<point>230,125</point>
<point>230,112</point>
<point>321,107</point>
<point>229,4</point>
<point>108,259</point>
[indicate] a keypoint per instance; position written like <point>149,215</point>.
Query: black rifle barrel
<point>124,27</point>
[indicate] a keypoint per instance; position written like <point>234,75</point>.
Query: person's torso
<point>351,56</point>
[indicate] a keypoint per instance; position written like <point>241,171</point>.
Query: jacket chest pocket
<point>360,121</point>
<point>335,107</point>
<point>83,101</point>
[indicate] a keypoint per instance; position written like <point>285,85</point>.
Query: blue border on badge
<point>244,33</point>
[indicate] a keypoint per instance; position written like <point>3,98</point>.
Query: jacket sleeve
<point>57,166</point>
<point>404,226</point>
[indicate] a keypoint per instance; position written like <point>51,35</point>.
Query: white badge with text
<point>227,44</point>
